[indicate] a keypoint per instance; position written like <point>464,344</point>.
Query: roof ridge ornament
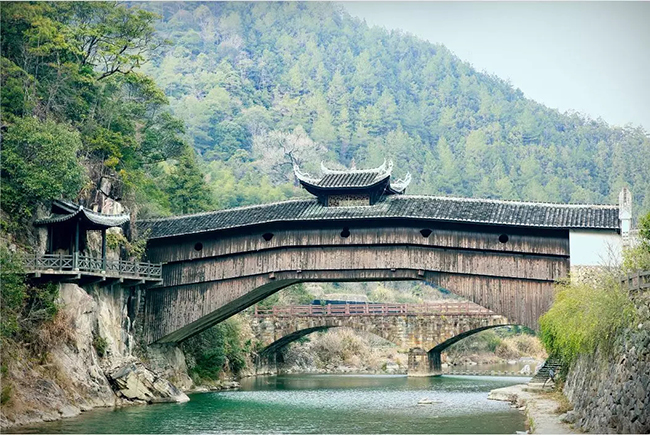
<point>304,176</point>
<point>401,183</point>
<point>381,169</point>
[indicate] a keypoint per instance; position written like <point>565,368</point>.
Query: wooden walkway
<point>79,267</point>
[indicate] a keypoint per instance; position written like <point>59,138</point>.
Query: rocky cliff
<point>95,366</point>
<point>611,390</point>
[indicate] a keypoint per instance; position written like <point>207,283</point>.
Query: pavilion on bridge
<point>352,187</point>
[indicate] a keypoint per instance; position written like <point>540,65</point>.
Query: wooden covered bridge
<point>360,226</point>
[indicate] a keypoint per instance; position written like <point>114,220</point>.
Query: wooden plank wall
<point>233,271</point>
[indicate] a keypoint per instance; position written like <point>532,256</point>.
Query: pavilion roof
<point>63,211</point>
<point>423,208</point>
<point>338,180</point>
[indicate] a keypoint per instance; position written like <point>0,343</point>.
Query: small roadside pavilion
<point>67,254</point>
<point>68,226</point>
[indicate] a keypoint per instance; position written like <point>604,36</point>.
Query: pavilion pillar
<point>75,254</point>
<point>104,249</point>
<point>50,242</point>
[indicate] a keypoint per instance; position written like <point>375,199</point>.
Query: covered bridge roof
<point>445,209</point>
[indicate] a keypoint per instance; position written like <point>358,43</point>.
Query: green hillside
<point>110,94</point>
<point>260,85</point>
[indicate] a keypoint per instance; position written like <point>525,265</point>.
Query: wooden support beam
<point>133,283</point>
<point>104,249</point>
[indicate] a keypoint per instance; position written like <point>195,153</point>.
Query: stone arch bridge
<point>424,330</point>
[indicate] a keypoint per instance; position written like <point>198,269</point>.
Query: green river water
<point>317,404</point>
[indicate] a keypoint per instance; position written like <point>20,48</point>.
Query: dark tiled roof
<point>480,211</point>
<point>91,218</point>
<point>351,179</point>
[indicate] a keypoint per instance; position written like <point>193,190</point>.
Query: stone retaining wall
<point>611,393</point>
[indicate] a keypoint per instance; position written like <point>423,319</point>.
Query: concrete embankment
<point>539,408</point>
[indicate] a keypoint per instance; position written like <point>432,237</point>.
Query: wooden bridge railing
<point>637,281</point>
<point>81,263</point>
<point>442,308</point>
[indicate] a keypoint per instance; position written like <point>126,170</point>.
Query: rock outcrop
<point>94,367</point>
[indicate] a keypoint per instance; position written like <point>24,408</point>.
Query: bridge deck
<point>447,308</point>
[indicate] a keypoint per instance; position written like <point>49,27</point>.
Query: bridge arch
<point>271,355</point>
<point>412,328</point>
<point>280,343</point>
<point>434,355</point>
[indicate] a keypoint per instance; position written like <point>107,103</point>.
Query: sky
<point>589,57</point>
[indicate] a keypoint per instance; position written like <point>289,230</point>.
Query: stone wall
<point>611,393</point>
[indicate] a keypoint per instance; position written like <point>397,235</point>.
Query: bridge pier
<point>422,363</point>
<point>435,362</point>
<point>418,363</point>
<point>267,363</point>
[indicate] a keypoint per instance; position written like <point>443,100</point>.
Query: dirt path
<point>539,408</point>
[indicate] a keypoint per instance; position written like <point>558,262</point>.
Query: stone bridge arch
<point>433,360</point>
<point>424,336</point>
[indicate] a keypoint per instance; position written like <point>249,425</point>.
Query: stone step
<point>542,375</point>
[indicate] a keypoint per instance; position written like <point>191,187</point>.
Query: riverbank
<point>540,408</point>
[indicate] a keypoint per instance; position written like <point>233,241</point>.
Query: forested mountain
<point>79,119</point>
<point>262,85</point>
<point>131,93</point>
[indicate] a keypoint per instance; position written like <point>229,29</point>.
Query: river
<point>317,404</point>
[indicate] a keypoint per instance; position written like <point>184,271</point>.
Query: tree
<point>76,65</point>
<point>277,152</point>
<point>186,186</point>
<point>449,177</point>
<point>39,163</point>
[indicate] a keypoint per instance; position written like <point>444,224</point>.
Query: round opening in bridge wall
<point>426,232</point>
<point>198,246</point>
<point>345,233</point>
<point>503,238</point>
<point>267,236</point>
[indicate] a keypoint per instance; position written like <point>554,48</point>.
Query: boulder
<point>135,382</point>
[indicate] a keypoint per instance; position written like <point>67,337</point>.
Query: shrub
<point>216,349</point>
<point>101,345</point>
<point>585,316</point>
<point>296,294</point>
<point>28,313</point>
<point>485,341</point>
<point>341,345</point>
<point>519,345</point>
<point>13,292</point>
<point>6,394</point>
